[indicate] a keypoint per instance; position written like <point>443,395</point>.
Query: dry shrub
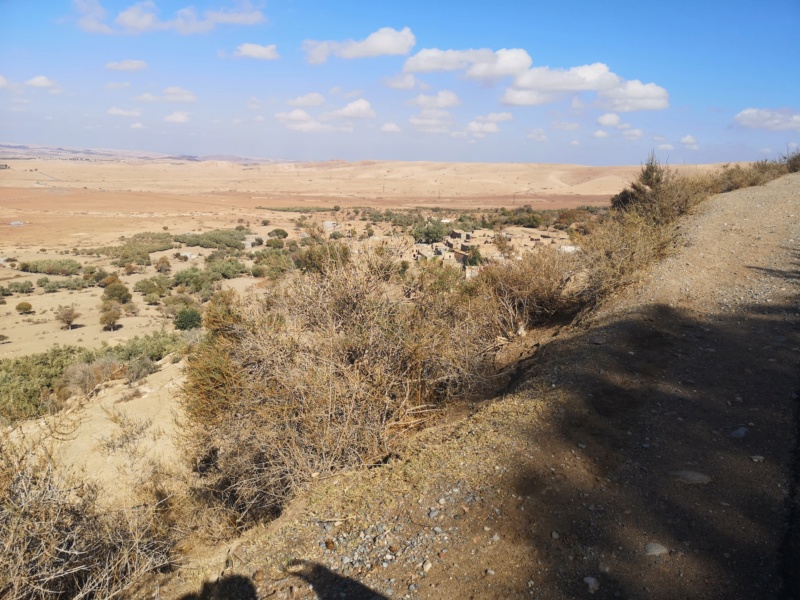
<point>83,377</point>
<point>56,543</point>
<point>527,292</point>
<point>735,177</point>
<point>322,373</point>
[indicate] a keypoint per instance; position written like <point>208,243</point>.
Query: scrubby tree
<point>278,233</point>
<point>163,265</point>
<point>110,315</point>
<point>24,308</point>
<point>117,292</point>
<point>67,315</point>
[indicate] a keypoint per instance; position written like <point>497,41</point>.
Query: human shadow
<point>658,391</point>
<point>230,587</point>
<point>329,585</point>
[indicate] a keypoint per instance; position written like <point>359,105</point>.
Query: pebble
<point>427,566</point>
<point>555,535</point>
<point>592,584</point>
<point>691,477</point>
<point>490,571</point>
<point>757,458</point>
<point>495,538</point>
<point>739,433</point>
<point>437,530</point>
<point>653,549</point>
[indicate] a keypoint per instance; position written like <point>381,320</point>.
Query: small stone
<point>653,549</point>
<point>433,513</point>
<point>427,566</point>
<point>739,433</point>
<point>346,560</point>
<point>495,538</point>
<point>691,477</point>
<point>490,571</point>
<point>582,446</point>
<point>442,500</point>
<point>437,530</point>
<point>555,535</point>
<point>592,584</point>
<point>757,458</point>
<point>487,528</point>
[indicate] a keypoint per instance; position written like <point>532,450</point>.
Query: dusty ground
<point>647,453</point>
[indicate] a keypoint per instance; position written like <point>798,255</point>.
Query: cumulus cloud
<point>358,109</point>
<point>600,134</point>
<point>148,97</point>
<point>119,112</point>
<point>391,127</point>
<point>769,119</point>
<point>117,85</point>
<point>404,81</point>
<point>574,143</point>
<point>689,142</point>
<point>312,99</point>
<point>443,99</point>
<point>666,147</point>
<point>40,81</point>
<point>482,63</point>
<point>3,82</point>
<point>177,94</point>
<point>253,103</point>
<point>542,85</point>
<point>300,120</point>
<point>496,117</point>
<point>635,95</point>
<point>537,135</point>
<point>565,125</point>
<point>383,42</point>
<point>177,117</point>
<point>143,17</point>
<point>126,65</point>
<point>609,120</point>
<point>257,51</point>
<point>633,135</point>
<point>137,126</point>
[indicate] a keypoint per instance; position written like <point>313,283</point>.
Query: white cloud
<point>126,65</point>
<point>143,17</point>
<point>537,135</point>
<point>358,109</point>
<point>600,134</point>
<point>117,85</point>
<point>443,99</point>
<point>92,16</point>
<point>312,99</point>
<point>403,81</point>
<point>295,116</point>
<point>137,126</point>
<point>257,51</point>
<point>666,147</point>
<point>177,117</point>
<point>793,145</point>
<point>482,63</point>
<point>147,98</point>
<point>632,135</point>
<point>253,103</point>
<point>178,94</point>
<point>40,81</point>
<point>574,143</point>
<point>514,97</point>
<point>769,119</point>
<point>237,121</point>
<point>609,120</point>
<point>496,117</point>
<point>383,42</point>
<point>565,125</point>
<point>481,128</point>
<point>391,128</point>
<point>635,95</point>
<point>542,85</point>
<point>119,112</point>
<point>689,142</point>
<point>259,119</point>
<point>3,82</point>
<point>765,150</point>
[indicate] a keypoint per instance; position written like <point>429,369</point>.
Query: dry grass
<point>55,541</point>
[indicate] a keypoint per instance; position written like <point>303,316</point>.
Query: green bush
<point>278,233</point>
<point>117,292</point>
<point>62,266</point>
<point>219,238</point>
<point>24,308</point>
<point>188,318</point>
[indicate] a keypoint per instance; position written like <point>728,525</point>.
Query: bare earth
<point>645,454</point>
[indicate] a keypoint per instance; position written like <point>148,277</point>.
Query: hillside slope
<point>647,453</point>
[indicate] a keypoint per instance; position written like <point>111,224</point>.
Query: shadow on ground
<point>651,393</point>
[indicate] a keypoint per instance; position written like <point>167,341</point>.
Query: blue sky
<point>578,81</point>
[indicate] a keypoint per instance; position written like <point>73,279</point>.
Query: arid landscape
<point>493,380</point>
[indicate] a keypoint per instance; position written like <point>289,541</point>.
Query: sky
<point>556,81</point>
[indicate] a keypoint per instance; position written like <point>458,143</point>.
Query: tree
<point>188,318</point>
<point>117,292</point>
<point>24,308</point>
<point>162,265</point>
<point>110,315</point>
<point>67,315</point>
<point>278,233</point>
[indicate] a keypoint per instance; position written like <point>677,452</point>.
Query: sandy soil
<point>647,453</point>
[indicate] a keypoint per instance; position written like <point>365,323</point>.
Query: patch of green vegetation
<point>218,238</point>
<point>52,266</point>
<point>137,248</point>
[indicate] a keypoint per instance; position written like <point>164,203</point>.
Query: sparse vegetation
<point>219,238</point>
<point>67,315</point>
<point>53,266</point>
<point>24,308</point>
